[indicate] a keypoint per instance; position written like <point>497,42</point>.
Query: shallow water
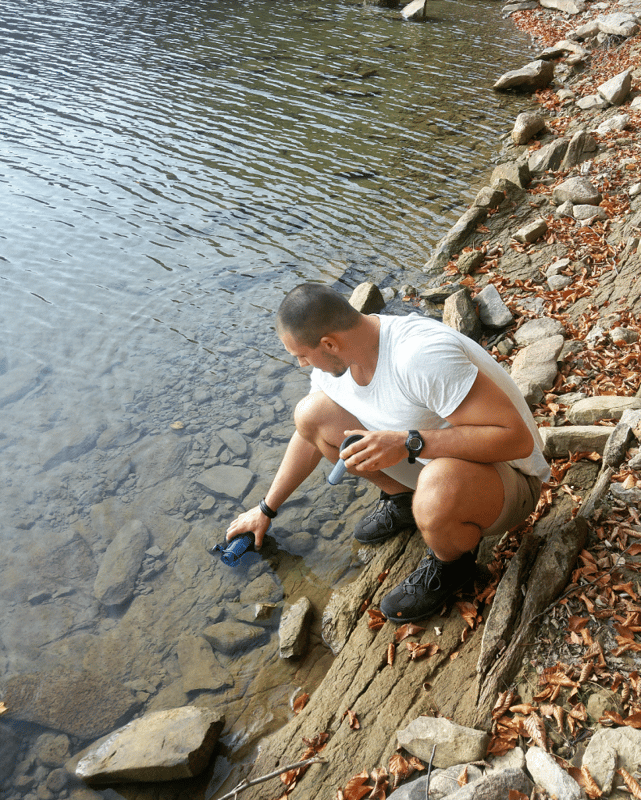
<point>169,171</point>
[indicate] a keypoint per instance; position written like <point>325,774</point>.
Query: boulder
<point>459,313</point>
<point>367,298</point>
<point>454,743</point>
<point>234,441</point>
<point>160,746</point>
<point>200,668</point>
<point>548,157</point>
<point>567,6</point>
<point>80,704</point>
<point>619,122</point>
<point>536,329</point>
<point>512,782</point>
<point>550,776</point>
<point>116,578</point>
<point>535,75</point>
<point>488,197</point>
<point>534,369</point>
<point>560,442</point>
<point>527,125</point>
<point>587,214</point>
<point>293,631</point>
<point>612,748</point>
<point>454,240</point>
<point>231,637</point>
<point>591,102</point>
<point>516,173</point>
<point>621,23</point>
<point>470,261</point>
<point>580,146</point>
<point>579,191</point>
<point>492,310</point>
<point>616,90</point>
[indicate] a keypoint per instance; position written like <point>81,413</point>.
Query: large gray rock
<point>620,23</point>
<point>200,668</point>
<point>160,746</point>
<point>80,704</point>
<point>560,442</point>
<point>581,145</point>
<point>459,313</point>
<point>234,441</point>
<point>535,75</point>
<point>454,240</point>
<point>534,369</point>
<point>549,775</point>
<point>592,409</point>
<point>454,743</point>
<point>527,125</point>
<point>231,637</point>
<point>116,578</point>
<point>591,102</point>
<point>532,231</point>
<point>548,157</point>
<point>293,631</point>
<point>516,173</point>
<point>491,786</point>
<point>492,310</point>
<point>567,6</point>
<point>617,88</point>
<point>232,482</point>
<point>577,190</point>
<point>367,298</point>
<point>536,329</point>
<point>10,746</point>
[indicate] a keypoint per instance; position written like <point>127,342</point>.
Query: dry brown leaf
<point>633,721</point>
<point>339,794</point>
<point>3,708</point>
<point>300,703</point>
<point>535,727</point>
<point>383,575</point>
<point>379,776</point>
<point>409,629</point>
<point>462,778</point>
<point>514,794</point>
<point>522,708</point>
<point>468,611</point>
<point>376,619</point>
<point>354,724</point>
<point>399,769</point>
<point>415,761</point>
<point>503,702</point>
<point>586,781</point>
<point>391,653</point>
<point>633,786</point>
<point>417,651</point>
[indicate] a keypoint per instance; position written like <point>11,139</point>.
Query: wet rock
<point>118,436</point>
<point>79,704</point>
<point>548,157</point>
<point>535,75</point>
<point>534,369</point>
<point>454,743</point>
<point>66,444</point>
<point>230,637</point>
<point>516,173</point>
<point>580,146</point>
<point>120,565</point>
<point>560,442</point>
<point>200,668</point>
<point>550,776</point>
<point>532,231</point>
<point>19,382</point>
<point>527,125</point>
<point>616,90</point>
<point>10,746</point>
<point>454,240</point>
<point>414,10</point>
<point>52,749</point>
<point>263,589</point>
<point>459,313</point>
<point>160,746</point>
<point>579,191</point>
<point>293,631</point>
<point>225,480</point>
<point>618,24</point>
<point>234,441</point>
<point>367,299</point>
<point>492,310</point>
<point>567,6</point>
<point>591,410</point>
<point>159,458</point>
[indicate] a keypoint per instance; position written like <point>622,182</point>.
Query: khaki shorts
<point>521,492</point>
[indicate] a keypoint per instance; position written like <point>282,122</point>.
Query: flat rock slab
<point>227,481</point>
<point>161,746</point>
<point>560,442</point>
<point>120,564</point>
<point>454,743</point>
<point>592,409</point>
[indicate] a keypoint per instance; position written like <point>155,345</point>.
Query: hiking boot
<point>424,591</point>
<point>393,513</point>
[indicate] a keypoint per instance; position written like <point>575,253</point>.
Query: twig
<point>429,774</point>
<point>245,784</point>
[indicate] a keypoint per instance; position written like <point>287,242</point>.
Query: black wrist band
<point>267,511</point>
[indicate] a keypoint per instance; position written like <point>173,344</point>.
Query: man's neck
<point>366,348</point>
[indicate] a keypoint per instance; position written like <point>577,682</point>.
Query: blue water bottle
<point>336,475</point>
<point>235,549</point>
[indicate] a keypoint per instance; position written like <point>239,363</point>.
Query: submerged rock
<point>120,565</point>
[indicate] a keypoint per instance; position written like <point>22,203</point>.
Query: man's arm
<point>486,427</point>
<point>300,460</point>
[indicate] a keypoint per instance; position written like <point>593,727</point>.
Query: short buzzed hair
<point>311,311</point>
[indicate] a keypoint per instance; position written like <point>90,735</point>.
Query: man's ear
<point>330,343</point>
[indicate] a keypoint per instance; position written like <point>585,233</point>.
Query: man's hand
<point>253,520</point>
<point>376,450</point>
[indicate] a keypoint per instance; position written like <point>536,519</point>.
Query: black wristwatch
<point>414,444</point>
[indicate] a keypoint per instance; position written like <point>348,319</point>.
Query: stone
<point>558,282</point>
<point>514,172</point>
<point>591,102</point>
<point>159,746</point>
<point>231,637</point>
<point>159,458</point>
<point>439,294</point>
<point>579,191</point>
<point>119,435</point>
<point>116,578</point>
<point>567,6</point>
<point>367,298</point>
<point>80,704</point>
<point>560,442</point>
<point>580,145</point>
<point>200,668</point>
<point>52,749</point>
<point>623,335</point>
<point>586,31</point>
<point>535,75</point>
<point>10,746</point>
<point>617,123</point>
<point>548,157</point>
<point>527,125</point>
<point>536,329</point>
<point>293,631</point>
<point>565,210</point>
<point>19,382</point>
<point>232,482</point>
<point>470,261</point>
<point>414,10</point>
<point>532,231</point>
<point>492,310</point>
<point>550,776</point>
<point>454,743</point>
<point>263,589</point>
<point>587,214</point>
<point>612,748</point>
<point>593,409</point>
<point>620,23</point>
<point>488,197</point>
<point>493,785</point>
<point>513,759</point>
<point>534,368</point>
<point>234,441</point>
<point>563,47</point>
<point>618,443</point>
<point>459,313</point>
<point>454,240</point>
<point>616,90</point>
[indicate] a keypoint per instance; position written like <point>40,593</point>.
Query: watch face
<point>415,443</point>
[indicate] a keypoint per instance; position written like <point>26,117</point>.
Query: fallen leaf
<point>391,653</point>
<point>535,727</point>
<point>417,651</point>
<point>409,629</point>
<point>354,788</point>
<point>300,703</point>
<point>399,769</point>
<point>462,778</point>
<point>376,619</point>
<point>633,786</point>
<point>3,708</point>
<point>354,724</point>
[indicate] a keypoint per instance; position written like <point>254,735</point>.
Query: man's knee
<point>437,492</point>
<point>308,415</point>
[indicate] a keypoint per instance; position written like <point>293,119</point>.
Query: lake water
<point>169,171</point>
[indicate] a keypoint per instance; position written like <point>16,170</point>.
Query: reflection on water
<point>169,170</point>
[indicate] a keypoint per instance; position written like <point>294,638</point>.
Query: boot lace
<point>427,574</point>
